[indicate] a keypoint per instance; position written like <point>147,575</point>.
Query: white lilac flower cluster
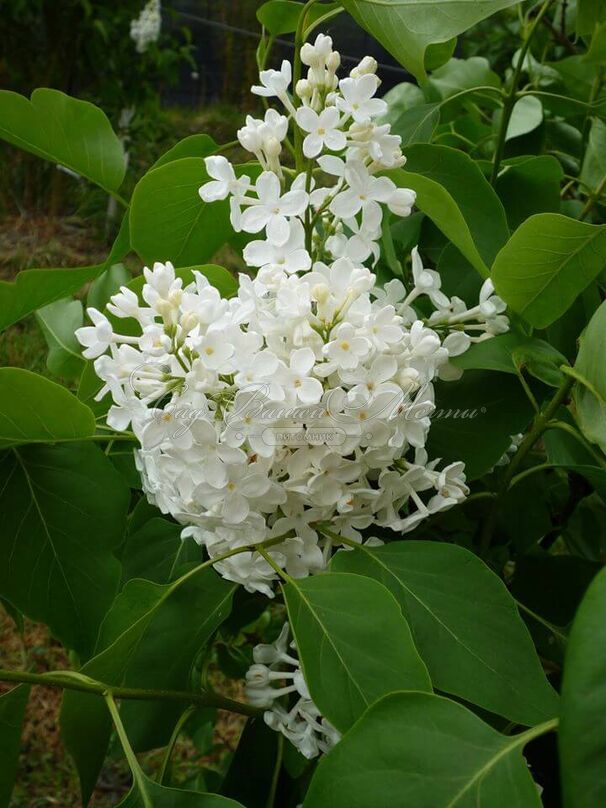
<point>302,724</point>
<point>305,400</point>
<point>145,29</point>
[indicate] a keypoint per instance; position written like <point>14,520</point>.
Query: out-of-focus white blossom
<point>145,29</point>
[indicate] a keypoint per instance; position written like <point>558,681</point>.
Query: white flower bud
<point>333,62</point>
<point>367,65</point>
<point>272,147</point>
<point>310,56</point>
<point>303,88</point>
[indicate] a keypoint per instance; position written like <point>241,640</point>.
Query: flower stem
<point>72,680</point>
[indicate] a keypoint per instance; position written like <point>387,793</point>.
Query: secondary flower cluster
<point>145,29</point>
<point>302,724</point>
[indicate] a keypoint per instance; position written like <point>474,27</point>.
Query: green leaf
<point>62,515</point>
<point>546,264</point>
<point>417,125</point>
<point>462,74</point>
<point>591,398</point>
<point>162,797</point>
<point>526,116</point>
<point>58,322</point>
<point>409,115</point>
<point>476,647</point>
<point>541,360</point>
<point>425,751</point>
<point>437,55</point>
<point>248,777</point>
<point>191,146</point>
<point>150,638</point>
<point>155,552</point>
<point>582,739</point>
<point>589,14</point>
<point>36,410</point>
<point>12,710</point>
<point>169,221</point>
<point>282,16</point>
<point>64,130</point>
<point>505,352</point>
<point>347,662</point>
<point>454,193</point>
<point>529,185</point>
<point>106,285</point>
<point>406,28</point>
<point>34,288</point>
<point>593,170</point>
<point>475,418</point>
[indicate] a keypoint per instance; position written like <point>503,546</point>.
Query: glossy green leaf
<point>191,146</point>
<point>462,74</point>
<point>169,221</point>
<point>454,193</point>
<point>582,739</point>
<point>34,288</point>
<point>64,130</point>
<point>156,552</point>
<point>475,647</point>
<point>282,16</point>
<point>62,515</point>
<point>407,27</point>
<point>348,664</point>
<point>58,322</point>
<point>529,185</point>
<point>505,352</point>
<point>593,170</point>
<point>248,778</point>
<point>36,410</point>
<point>439,53</point>
<point>163,797</point>
<point>590,398</point>
<point>589,14</point>
<point>150,638</point>
<point>475,418</point>
<point>12,710</point>
<point>526,116</point>
<point>409,115</point>
<point>106,285</point>
<point>546,264</point>
<point>417,125</point>
<point>421,750</point>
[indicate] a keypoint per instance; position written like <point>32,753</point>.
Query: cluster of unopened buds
<point>301,723</point>
<point>306,399</point>
<point>145,29</point>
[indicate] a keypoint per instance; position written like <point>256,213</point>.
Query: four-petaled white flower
<point>357,98</point>
<point>323,129</point>
<point>272,208</point>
